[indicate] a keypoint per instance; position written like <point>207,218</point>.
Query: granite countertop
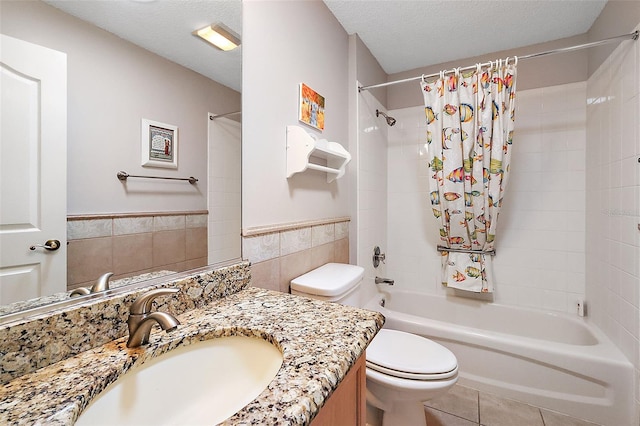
<point>320,342</point>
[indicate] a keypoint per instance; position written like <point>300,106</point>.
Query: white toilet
<point>403,369</point>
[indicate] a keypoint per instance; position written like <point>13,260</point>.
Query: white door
<point>33,170</point>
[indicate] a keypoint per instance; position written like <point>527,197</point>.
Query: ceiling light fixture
<point>219,36</point>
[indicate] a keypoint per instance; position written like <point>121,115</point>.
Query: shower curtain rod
<point>226,114</point>
<point>630,36</point>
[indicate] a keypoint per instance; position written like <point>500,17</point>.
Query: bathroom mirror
<point>168,24</point>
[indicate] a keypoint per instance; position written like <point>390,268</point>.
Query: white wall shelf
<point>306,152</point>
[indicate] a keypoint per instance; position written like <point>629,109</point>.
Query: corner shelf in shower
<point>306,152</point>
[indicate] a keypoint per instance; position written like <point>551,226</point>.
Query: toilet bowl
<point>403,370</point>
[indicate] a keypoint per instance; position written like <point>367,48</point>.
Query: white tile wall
<point>224,202</point>
<point>541,231</point>
<point>613,199</point>
<point>372,187</point>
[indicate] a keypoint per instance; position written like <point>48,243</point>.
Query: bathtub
<point>551,360</point>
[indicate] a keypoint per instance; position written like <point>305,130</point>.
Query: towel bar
<point>457,250</point>
<point>124,175</point>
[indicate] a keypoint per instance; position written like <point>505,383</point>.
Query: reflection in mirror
<point>143,228</point>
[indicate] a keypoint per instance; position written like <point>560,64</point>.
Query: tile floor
<point>463,406</point>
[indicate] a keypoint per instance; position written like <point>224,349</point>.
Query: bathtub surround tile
<point>460,401</point>
<point>613,185</point>
<point>496,411</point>
<point>543,210</point>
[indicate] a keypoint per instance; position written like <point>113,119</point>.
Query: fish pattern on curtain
<point>470,121</point>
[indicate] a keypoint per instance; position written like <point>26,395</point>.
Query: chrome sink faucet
<point>141,319</point>
<point>380,280</point>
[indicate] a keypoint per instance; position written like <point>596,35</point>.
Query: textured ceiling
<point>164,27</point>
<point>401,34</point>
<point>404,35</point>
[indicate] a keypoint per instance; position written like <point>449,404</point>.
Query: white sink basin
<point>200,384</point>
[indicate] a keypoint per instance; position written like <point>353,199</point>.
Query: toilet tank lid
<point>331,279</point>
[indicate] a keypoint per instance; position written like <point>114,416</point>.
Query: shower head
<point>390,120</point>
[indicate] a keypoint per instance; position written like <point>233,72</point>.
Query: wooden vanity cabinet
<point>347,404</point>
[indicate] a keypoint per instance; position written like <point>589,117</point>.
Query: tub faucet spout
<point>141,319</point>
<point>380,280</point>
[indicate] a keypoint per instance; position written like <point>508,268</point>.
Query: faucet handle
<point>142,305</point>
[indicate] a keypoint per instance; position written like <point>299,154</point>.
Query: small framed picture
<point>159,144</point>
<point>311,108</point>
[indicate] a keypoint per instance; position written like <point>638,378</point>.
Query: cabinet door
<point>347,405</point>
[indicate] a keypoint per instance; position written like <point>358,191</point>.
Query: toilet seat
<point>408,356</point>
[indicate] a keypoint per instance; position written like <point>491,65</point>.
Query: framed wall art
<point>311,107</point>
<point>159,144</point>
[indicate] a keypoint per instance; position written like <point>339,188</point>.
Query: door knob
<point>51,245</point>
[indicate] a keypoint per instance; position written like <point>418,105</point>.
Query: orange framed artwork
<point>311,107</point>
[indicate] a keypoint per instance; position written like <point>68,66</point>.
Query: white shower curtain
<point>470,120</point>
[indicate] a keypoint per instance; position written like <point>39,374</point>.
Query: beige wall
<point>287,43</point>
<point>112,85</point>
<point>618,17</point>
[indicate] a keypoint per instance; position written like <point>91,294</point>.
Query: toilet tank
<point>333,282</point>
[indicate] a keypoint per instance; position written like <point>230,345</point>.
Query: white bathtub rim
<point>564,316</point>
<point>604,349</point>
<point>578,363</point>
